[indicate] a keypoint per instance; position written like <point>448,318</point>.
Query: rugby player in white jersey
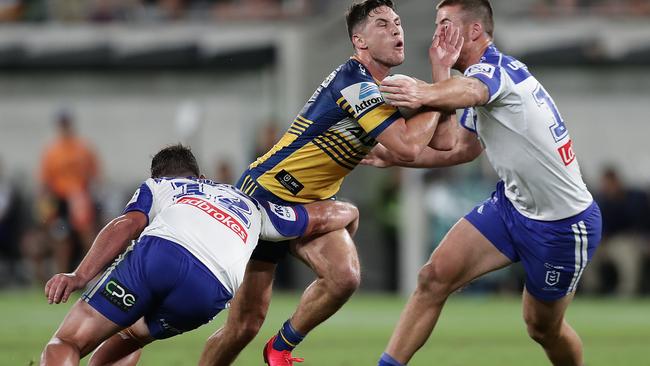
<point>195,239</point>
<point>541,212</point>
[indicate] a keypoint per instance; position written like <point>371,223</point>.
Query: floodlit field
<point>473,331</point>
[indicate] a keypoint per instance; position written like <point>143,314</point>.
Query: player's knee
<point>59,348</point>
<point>249,329</point>
<point>432,281</point>
<point>346,282</point>
<point>540,332</point>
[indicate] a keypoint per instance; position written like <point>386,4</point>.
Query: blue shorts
<point>554,253</point>
<point>161,281</point>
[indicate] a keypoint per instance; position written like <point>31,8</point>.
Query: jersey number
<point>558,128</point>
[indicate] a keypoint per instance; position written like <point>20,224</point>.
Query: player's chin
<point>395,59</point>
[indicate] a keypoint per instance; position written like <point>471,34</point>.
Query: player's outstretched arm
<point>327,216</point>
<point>447,95</point>
<point>466,148</point>
<point>111,241</point>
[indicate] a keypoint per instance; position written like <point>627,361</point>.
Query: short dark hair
<point>478,9</point>
<point>174,161</point>
<point>358,12</point>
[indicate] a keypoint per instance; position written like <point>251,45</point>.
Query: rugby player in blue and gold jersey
<point>341,122</point>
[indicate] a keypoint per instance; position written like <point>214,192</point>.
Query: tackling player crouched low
<point>195,237</point>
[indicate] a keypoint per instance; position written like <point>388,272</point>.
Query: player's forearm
<point>432,158</point>
<point>419,130</point>
<point>110,242</point>
<point>445,137</point>
<point>455,93</point>
<point>328,216</point>
<point>440,73</point>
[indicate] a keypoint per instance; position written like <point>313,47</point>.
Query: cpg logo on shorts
<point>118,295</point>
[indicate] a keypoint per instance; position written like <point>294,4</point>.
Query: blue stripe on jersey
<point>142,201</point>
<point>516,70</point>
<point>463,121</point>
<point>303,139</point>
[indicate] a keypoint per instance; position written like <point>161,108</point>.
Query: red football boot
<point>273,357</point>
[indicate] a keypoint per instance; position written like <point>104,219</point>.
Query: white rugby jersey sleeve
<point>491,76</point>
<point>281,223</point>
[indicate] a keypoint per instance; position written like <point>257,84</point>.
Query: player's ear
<point>476,31</point>
<point>359,41</point>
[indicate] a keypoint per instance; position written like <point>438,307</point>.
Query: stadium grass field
<point>472,331</point>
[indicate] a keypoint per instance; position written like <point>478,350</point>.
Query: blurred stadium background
<point>227,77</point>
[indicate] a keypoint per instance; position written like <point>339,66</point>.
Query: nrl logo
<point>552,278</point>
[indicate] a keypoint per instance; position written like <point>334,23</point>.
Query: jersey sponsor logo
<point>289,182</point>
<point>217,214</point>
<point>118,295</point>
<point>566,153</point>
<point>284,212</point>
<point>483,69</point>
<point>367,90</point>
<point>220,193</point>
<point>134,199</point>
<point>359,108</point>
<point>362,96</point>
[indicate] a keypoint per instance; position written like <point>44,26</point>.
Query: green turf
<point>472,331</point>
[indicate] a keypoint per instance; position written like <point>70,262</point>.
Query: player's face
<point>384,36</point>
<point>454,15</point>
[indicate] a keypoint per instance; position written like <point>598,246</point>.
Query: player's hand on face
<point>446,46</point>
<point>403,92</point>
<point>60,286</point>
<point>379,157</point>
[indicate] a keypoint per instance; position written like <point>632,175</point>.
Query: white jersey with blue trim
<point>526,140</point>
<point>215,222</point>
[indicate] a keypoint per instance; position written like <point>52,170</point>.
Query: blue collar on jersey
<point>491,51</point>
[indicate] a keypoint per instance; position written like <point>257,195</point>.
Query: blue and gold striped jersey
<point>329,137</point>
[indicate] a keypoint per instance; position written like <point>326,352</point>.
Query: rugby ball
<point>406,112</point>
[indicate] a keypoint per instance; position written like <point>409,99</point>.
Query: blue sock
<point>287,338</point>
<point>386,360</point>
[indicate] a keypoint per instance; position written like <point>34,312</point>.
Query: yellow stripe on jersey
<point>334,152</point>
<point>345,105</point>
<point>376,117</point>
<point>348,154</point>
<point>309,165</point>
<point>357,150</point>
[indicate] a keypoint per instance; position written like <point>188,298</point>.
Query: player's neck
<point>477,52</point>
<point>378,70</point>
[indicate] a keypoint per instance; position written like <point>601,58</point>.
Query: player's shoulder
<point>350,73</point>
<point>495,63</point>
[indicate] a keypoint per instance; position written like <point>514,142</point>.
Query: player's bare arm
<point>407,138</point>
<point>326,216</point>
<point>443,53</point>
<point>110,242</point>
<point>466,149</point>
<point>447,95</point>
